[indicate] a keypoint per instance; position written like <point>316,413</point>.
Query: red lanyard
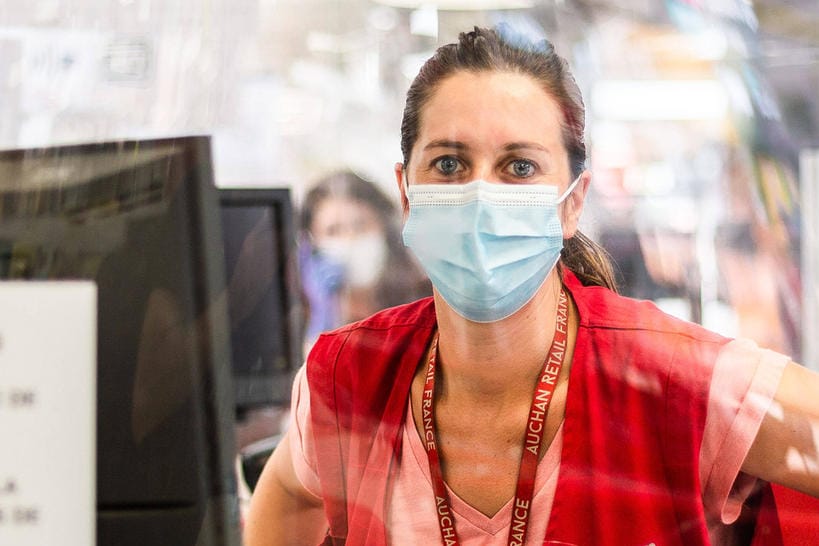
<point>533,437</point>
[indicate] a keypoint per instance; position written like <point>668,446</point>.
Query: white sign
<point>47,413</point>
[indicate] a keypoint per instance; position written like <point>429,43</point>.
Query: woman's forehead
<point>491,105</point>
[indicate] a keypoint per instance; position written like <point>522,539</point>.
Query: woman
<point>526,401</point>
<point>352,260</point>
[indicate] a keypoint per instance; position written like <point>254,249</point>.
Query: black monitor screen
<point>140,218</point>
<point>263,302</point>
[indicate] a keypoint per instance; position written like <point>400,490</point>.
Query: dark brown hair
<point>486,50</point>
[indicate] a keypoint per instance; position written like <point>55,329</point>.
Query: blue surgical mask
<point>487,248</point>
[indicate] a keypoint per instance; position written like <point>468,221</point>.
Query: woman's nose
<point>484,171</point>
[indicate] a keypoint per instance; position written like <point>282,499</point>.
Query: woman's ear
<point>573,205</point>
<point>400,178</point>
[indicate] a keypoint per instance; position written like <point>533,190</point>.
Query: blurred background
<point>699,114</point>
<point>702,126</point>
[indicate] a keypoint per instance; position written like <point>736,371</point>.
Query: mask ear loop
<point>405,187</point>
<point>404,180</point>
<point>569,190</point>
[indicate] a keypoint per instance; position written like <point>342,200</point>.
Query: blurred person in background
<point>527,402</point>
<point>351,257</point>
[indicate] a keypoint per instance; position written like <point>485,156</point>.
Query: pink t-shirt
<point>744,382</point>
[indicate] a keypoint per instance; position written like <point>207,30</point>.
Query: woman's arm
<point>786,448</point>
<point>282,511</point>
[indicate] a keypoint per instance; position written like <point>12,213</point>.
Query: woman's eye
<point>522,168</point>
<point>447,165</point>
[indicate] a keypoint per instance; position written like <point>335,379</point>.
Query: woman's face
<point>494,126</point>
<point>343,218</point>
<point>350,233</point>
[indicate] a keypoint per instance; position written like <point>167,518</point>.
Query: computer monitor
<point>141,219</point>
<point>264,303</point>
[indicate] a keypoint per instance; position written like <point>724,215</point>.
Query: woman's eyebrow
<point>510,147</point>
<point>446,143</point>
<point>514,146</point>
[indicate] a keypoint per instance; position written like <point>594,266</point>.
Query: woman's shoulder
<point>379,344</point>
<point>416,314</point>
<point>602,308</point>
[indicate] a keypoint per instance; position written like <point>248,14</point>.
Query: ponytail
<point>588,261</point>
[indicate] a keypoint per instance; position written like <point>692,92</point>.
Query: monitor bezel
<point>280,198</point>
